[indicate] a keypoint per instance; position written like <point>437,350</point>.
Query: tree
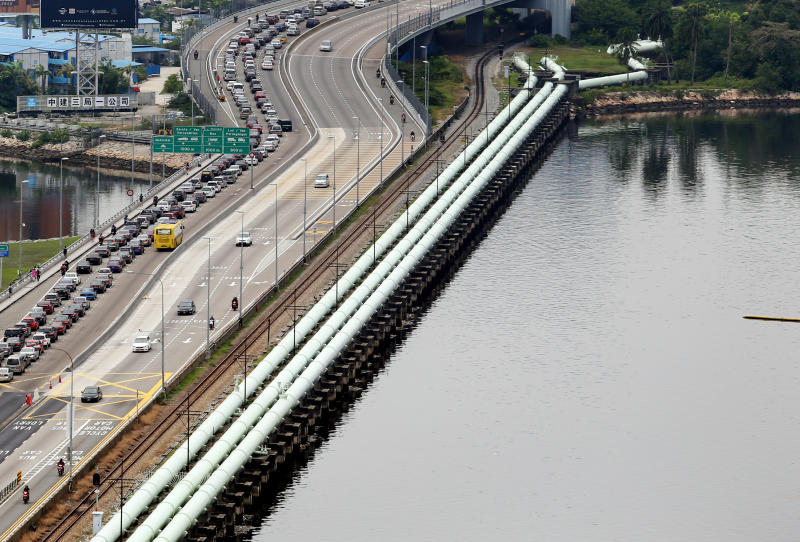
<point>172,85</point>
<point>112,80</point>
<point>733,19</point>
<point>14,81</point>
<point>41,72</point>
<point>695,15</point>
<point>607,16</point>
<point>657,19</point>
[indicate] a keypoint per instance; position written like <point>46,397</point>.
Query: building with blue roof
<point>150,29</point>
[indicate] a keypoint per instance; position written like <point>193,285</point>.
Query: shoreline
<point>614,103</point>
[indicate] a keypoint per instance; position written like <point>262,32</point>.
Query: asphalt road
<point>333,92</point>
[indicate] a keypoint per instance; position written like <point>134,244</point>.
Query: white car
<point>270,146</point>
<point>326,46</point>
<point>251,160</point>
<point>189,206</point>
<point>39,336</point>
<point>229,85</point>
<point>276,43</point>
<point>73,276</point>
<point>244,239</point>
<point>267,65</point>
<point>187,188</point>
<point>209,192</point>
<point>141,343</point>
<point>29,352</point>
<point>361,4</point>
<point>321,181</point>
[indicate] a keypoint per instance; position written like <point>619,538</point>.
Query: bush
<point>7,133</point>
<point>24,135</point>
<point>539,41</point>
<point>172,85</point>
<point>56,136</point>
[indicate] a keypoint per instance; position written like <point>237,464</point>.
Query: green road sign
<point>236,141</point>
<point>212,139</point>
<point>3,251</point>
<point>188,139</point>
<point>163,144</point>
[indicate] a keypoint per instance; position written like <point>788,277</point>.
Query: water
<point>40,198</point>
<point>587,375</point>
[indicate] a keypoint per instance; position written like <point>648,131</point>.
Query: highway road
<point>333,92</point>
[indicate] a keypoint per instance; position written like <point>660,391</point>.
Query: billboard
<point>66,104</point>
<point>19,7</point>
<point>87,14</point>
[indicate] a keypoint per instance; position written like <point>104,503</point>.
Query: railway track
<point>315,271</point>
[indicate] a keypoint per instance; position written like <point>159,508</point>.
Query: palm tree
<point>658,24</point>
<point>695,12</point>
<point>626,43</point>
<point>43,72</point>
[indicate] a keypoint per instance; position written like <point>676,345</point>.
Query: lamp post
<point>208,302</point>
<point>276,234</point>
<point>163,333</point>
<point>305,178</point>
<point>402,126</point>
<point>97,189</point>
<point>133,144</point>
<point>21,185</point>
<point>358,155</point>
<point>427,80</point>
<point>383,108</point>
<point>61,204</point>
<point>333,138</point>
<point>241,266</point>
<point>70,411</point>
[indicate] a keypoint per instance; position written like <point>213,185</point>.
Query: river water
<point>41,198</point>
<point>587,375</point>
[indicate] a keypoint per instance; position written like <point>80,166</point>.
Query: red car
<point>44,304</point>
<point>60,327</point>
<point>31,322</point>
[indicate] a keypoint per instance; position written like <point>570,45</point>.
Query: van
<point>245,112</point>
<point>361,4</point>
<point>286,125</point>
<point>16,364</point>
<point>326,46</point>
<point>230,75</point>
<point>237,86</point>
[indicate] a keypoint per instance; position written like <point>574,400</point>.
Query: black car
<point>344,4</point>
<point>79,309</point>
<point>15,343</point>
<point>199,197</point>
<point>94,258</point>
<point>126,255</point>
<point>54,299</point>
<point>62,292</point>
<point>83,267</point>
<point>312,22</point>
<point>91,394</point>
<point>98,286</point>
<point>103,252</point>
<point>116,265</point>
<point>178,195</point>
<point>71,313</point>
<point>186,307</point>
<point>50,333</point>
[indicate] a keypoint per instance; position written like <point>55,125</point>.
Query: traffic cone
<point>59,378</point>
<point>51,384</point>
<point>28,400</point>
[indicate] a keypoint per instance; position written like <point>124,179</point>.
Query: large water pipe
<point>149,491</point>
<point>176,529</point>
<point>188,485</point>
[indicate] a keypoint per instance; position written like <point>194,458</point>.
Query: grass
<point>589,58</point>
<point>33,253</point>
<point>455,92</point>
<point>708,89</point>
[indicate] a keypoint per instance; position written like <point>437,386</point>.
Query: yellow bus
<point>168,235</point>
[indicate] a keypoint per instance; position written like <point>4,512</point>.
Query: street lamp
<point>21,184</point>
<point>61,205</point>
<point>402,126</point>
<point>241,266</point>
<point>383,108</point>
<point>427,112</point>
<point>97,190</point>
<point>191,91</point>
<point>70,413</point>
<point>358,155</point>
<point>305,177</point>
<point>333,138</point>
<point>208,302</point>
<point>163,334</point>
<point>276,233</point>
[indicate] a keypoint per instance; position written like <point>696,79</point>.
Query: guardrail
<point>10,488</point>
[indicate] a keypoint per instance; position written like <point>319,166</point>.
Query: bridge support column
<point>474,31</point>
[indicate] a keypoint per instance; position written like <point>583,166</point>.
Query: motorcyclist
<point>211,323</point>
<point>412,135</point>
<point>235,303</point>
<point>391,99</point>
<point>26,494</point>
<point>383,81</point>
<point>195,54</point>
<point>403,117</point>
<point>235,18</point>
<point>60,466</point>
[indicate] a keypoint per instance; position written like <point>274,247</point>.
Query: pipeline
<point>639,46</point>
<point>286,402</point>
<point>150,490</point>
<point>304,357</point>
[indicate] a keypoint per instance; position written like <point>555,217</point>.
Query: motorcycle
<point>60,468</point>
<point>26,495</point>
<point>234,304</point>
<point>391,100</point>
<point>195,55</point>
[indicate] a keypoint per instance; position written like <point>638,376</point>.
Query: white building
<point>150,29</point>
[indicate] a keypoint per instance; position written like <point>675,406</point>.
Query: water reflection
<point>79,201</point>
